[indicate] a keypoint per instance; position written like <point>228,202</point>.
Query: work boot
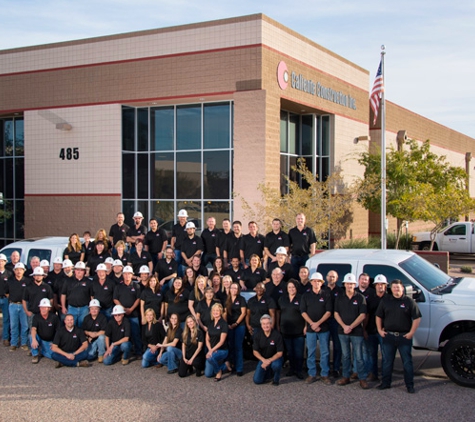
<point>364,385</point>
<point>343,381</point>
<point>35,359</point>
<point>354,376</point>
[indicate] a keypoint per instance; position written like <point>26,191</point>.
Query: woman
<point>152,298</point>
<point>216,344</point>
<point>121,254</point>
<point>140,257</point>
<point>170,349</point>
<point>292,327</point>
<point>259,305</point>
<point>203,310</point>
<point>98,256</point>
<point>189,279</point>
<point>224,293</point>
<point>192,349</point>
<point>216,284</point>
<point>101,236</point>
<point>218,266</point>
<point>176,301</point>
<point>197,294</point>
<point>74,251</point>
<point>236,314</point>
<point>253,274</point>
<point>153,334</point>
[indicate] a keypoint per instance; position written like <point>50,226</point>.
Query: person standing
<point>178,235</point>
<point>4,276</point>
<point>223,242</point>
<point>192,245</point>
<point>209,236</point>
<point>34,292</point>
<point>137,231</point>
<point>252,244</point>
<point>155,241</point>
<point>397,318</point>
<point>302,243</point>
<point>118,231</point>
<point>166,270</point>
<point>334,291</point>
<point>274,240</point>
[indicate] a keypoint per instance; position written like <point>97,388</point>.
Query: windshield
<point>427,274</point>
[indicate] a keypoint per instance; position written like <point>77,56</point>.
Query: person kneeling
<point>117,338</point>
<point>192,349</point>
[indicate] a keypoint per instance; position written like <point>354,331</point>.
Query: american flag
<point>376,92</point>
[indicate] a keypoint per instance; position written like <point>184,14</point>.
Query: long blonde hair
<point>193,333</point>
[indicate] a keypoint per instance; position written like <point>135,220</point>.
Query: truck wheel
<point>458,359</point>
<point>424,246</point>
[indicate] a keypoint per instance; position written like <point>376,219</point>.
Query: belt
<point>16,303</point>
<point>396,333</point>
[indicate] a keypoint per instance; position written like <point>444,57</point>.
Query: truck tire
<point>458,359</point>
<point>425,246</point>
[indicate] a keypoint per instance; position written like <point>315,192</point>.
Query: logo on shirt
<point>75,336</point>
<point>263,301</point>
<point>237,302</point>
<point>218,327</point>
<point>321,299</point>
<point>402,305</point>
<point>296,302</point>
<point>83,284</point>
<point>272,343</point>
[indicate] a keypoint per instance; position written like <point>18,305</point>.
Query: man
<point>127,295</point>
<point>34,292</point>
<point>34,262</point>
<point>77,292</point>
<point>166,269</point>
<point>109,262</point>
<point>350,312</point>
<point>275,240</point>
<point>268,348</point>
<point>117,338</point>
<point>198,267</point>
<point>14,259</point>
<point>252,243</point>
<point>223,241</point>
<point>281,262</point>
<point>397,318</point>
<point>209,236</point>
<point>178,235</point>
<point>235,271</point>
<point>155,241</point>
<point>54,274</point>
<point>277,286</point>
<point>103,291</point>
<point>137,231</point>
<point>118,231</point>
<point>316,307</point>
<point>234,243</point>
<point>43,329</point>
<point>66,276</point>
<point>69,346</point>
<point>94,325</point>
<point>14,290</point>
<point>334,291</point>
<point>302,243</point>
<point>304,280</point>
<point>117,267</point>
<point>4,276</point>
<point>192,245</point>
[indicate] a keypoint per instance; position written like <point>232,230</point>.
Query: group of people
<point>135,293</point>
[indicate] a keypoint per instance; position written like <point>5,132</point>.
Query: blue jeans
<point>79,313</point>
<point>355,343</point>
<point>297,262</point>
<point>149,358</point>
<point>171,358</point>
<point>235,341</point>
<point>123,349</point>
<point>107,312</point>
<point>179,260</point>
<point>68,362</point>
<point>18,324</point>
<point>262,374</point>
<point>135,334</point>
<point>324,338</point>
<point>96,348</point>
<point>6,318</point>
<point>336,344</point>
<point>374,341</point>
<point>295,347</point>
<point>45,347</point>
<point>392,343</point>
<point>367,358</point>
<point>215,363</point>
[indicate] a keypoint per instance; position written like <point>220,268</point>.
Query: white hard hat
<point>45,303</point>
<point>117,262</point>
<point>67,263</point>
<point>3,257</point>
<point>80,265</point>
<point>182,213</point>
<point>190,225</point>
<point>118,310</point>
<point>57,260</point>
<point>101,267</point>
<point>94,302</point>
<point>281,250</point>
<point>38,271</point>
<point>109,260</point>
<point>144,270</point>
<point>19,265</point>
<point>350,278</point>
<point>380,279</point>
<point>138,214</point>
<point>317,276</point>
<point>44,263</point>
<point>128,269</point>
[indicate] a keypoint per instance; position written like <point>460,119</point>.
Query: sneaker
<point>354,376</point>
<point>12,348</point>
<point>343,381</point>
<point>6,343</point>
<point>25,348</point>
<point>310,380</point>
<point>100,359</point>
<point>125,361</point>
<point>326,380</point>
<point>364,385</point>
<point>35,359</point>
<point>58,365</point>
<point>84,364</point>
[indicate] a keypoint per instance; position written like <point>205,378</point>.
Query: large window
<point>12,180</point>
<point>177,157</point>
<point>304,136</point>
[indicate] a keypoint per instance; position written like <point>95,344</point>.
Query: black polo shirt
<point>349,309</point>
<point>155,240</point>
<point>15,288</point>
<point>276,291</point>
<point>201,271</point>
<point>46,327</point>
<point>397,314</point>
<point>300,240</point>
<point>94,325</point>
<point>205,310</point>
<point>276,240</point>
<point>165,268</point>
<point>287,270</point>
<point>73,255</point>
<point>116,332</point>
<point>215,329</point>
<point>180,307</point>
<point>94,260</point>
<point>236,309</point>
<point>134,231</point>
<point>88,249</point>
<point>224,241</point>
<point>304,288</point>
<point>292,323</point>
<point>137,261</point>
<point>153,334</point>
<point>127,295</point>
<point>315,306</point>
<point>104,293</point>
<point>234,246</point>
<point>69,341</point>
<point>210,240</point>
<point>251,278</point>
<point>118,232</point>
<point>152,300</point>
<point>4,276</point>
<point>251,245</point>
<point>268,346</point>
<point>116,279</point>
<point>235,275</point>
<point>191,346</point>
<point>125,258</point>
<point>259,307</point>
<point>191,245</point>
<point>179,233</point>
<point>33,294</point>
<point>78,292</point>
<point>334,293</point>
<point>367,293</point>
<point>372,303</point>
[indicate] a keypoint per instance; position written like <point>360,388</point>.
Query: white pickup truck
<point>455,238</point>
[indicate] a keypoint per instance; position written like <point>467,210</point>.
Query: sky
<point>430,52</point>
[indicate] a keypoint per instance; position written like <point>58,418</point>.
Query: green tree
<point>327,204</point>
<point>420,185</point>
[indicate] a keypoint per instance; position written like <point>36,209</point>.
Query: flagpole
<point>383,159</point>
